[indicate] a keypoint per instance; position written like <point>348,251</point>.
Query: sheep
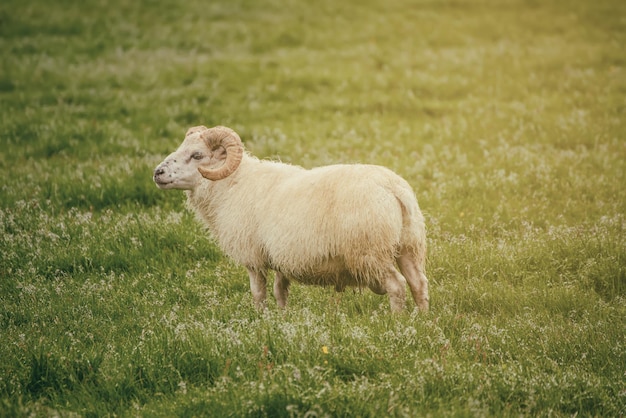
<point>339,225</point>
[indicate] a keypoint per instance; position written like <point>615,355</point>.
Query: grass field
<point>508,117</point>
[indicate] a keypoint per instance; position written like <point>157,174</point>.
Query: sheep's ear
<point>195,129</point>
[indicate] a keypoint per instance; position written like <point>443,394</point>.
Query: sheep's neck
<point>204,200</point>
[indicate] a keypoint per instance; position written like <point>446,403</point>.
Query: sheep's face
<point>180,169</point>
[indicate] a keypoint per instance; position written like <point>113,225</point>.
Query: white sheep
<point>338,225</point>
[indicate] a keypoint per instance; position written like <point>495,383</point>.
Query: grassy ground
<point>507,117</point>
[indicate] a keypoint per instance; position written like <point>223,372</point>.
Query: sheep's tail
<point>413,235</point>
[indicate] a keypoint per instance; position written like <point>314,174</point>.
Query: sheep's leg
<point>395,285</point>
<point>413,271</point>
<point>378,288</point>
<point>281,289</point>
<point>258,280</point>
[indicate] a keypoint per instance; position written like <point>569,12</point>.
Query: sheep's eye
<point>197,156</point>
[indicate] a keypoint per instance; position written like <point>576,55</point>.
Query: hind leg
<point>413,271</point>
<point>395,286</point>
<point>378,288</point>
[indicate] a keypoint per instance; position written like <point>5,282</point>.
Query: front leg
<point>258,280</point>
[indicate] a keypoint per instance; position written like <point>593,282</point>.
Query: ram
<point>339,225</point>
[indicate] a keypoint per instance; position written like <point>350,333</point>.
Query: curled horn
<point>224,137</point>
<point>195,129</point>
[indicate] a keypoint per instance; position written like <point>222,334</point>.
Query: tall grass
<point>508,119</point>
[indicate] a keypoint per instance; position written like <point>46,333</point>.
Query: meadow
<point>508,117</point>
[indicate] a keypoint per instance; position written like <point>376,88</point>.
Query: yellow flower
<point>324,349</point>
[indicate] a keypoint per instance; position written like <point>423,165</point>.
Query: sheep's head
<point>205,153</point>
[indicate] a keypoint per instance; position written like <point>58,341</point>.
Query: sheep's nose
<point>159,171</point>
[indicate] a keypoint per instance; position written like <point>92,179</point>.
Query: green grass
<point>507,117</point>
